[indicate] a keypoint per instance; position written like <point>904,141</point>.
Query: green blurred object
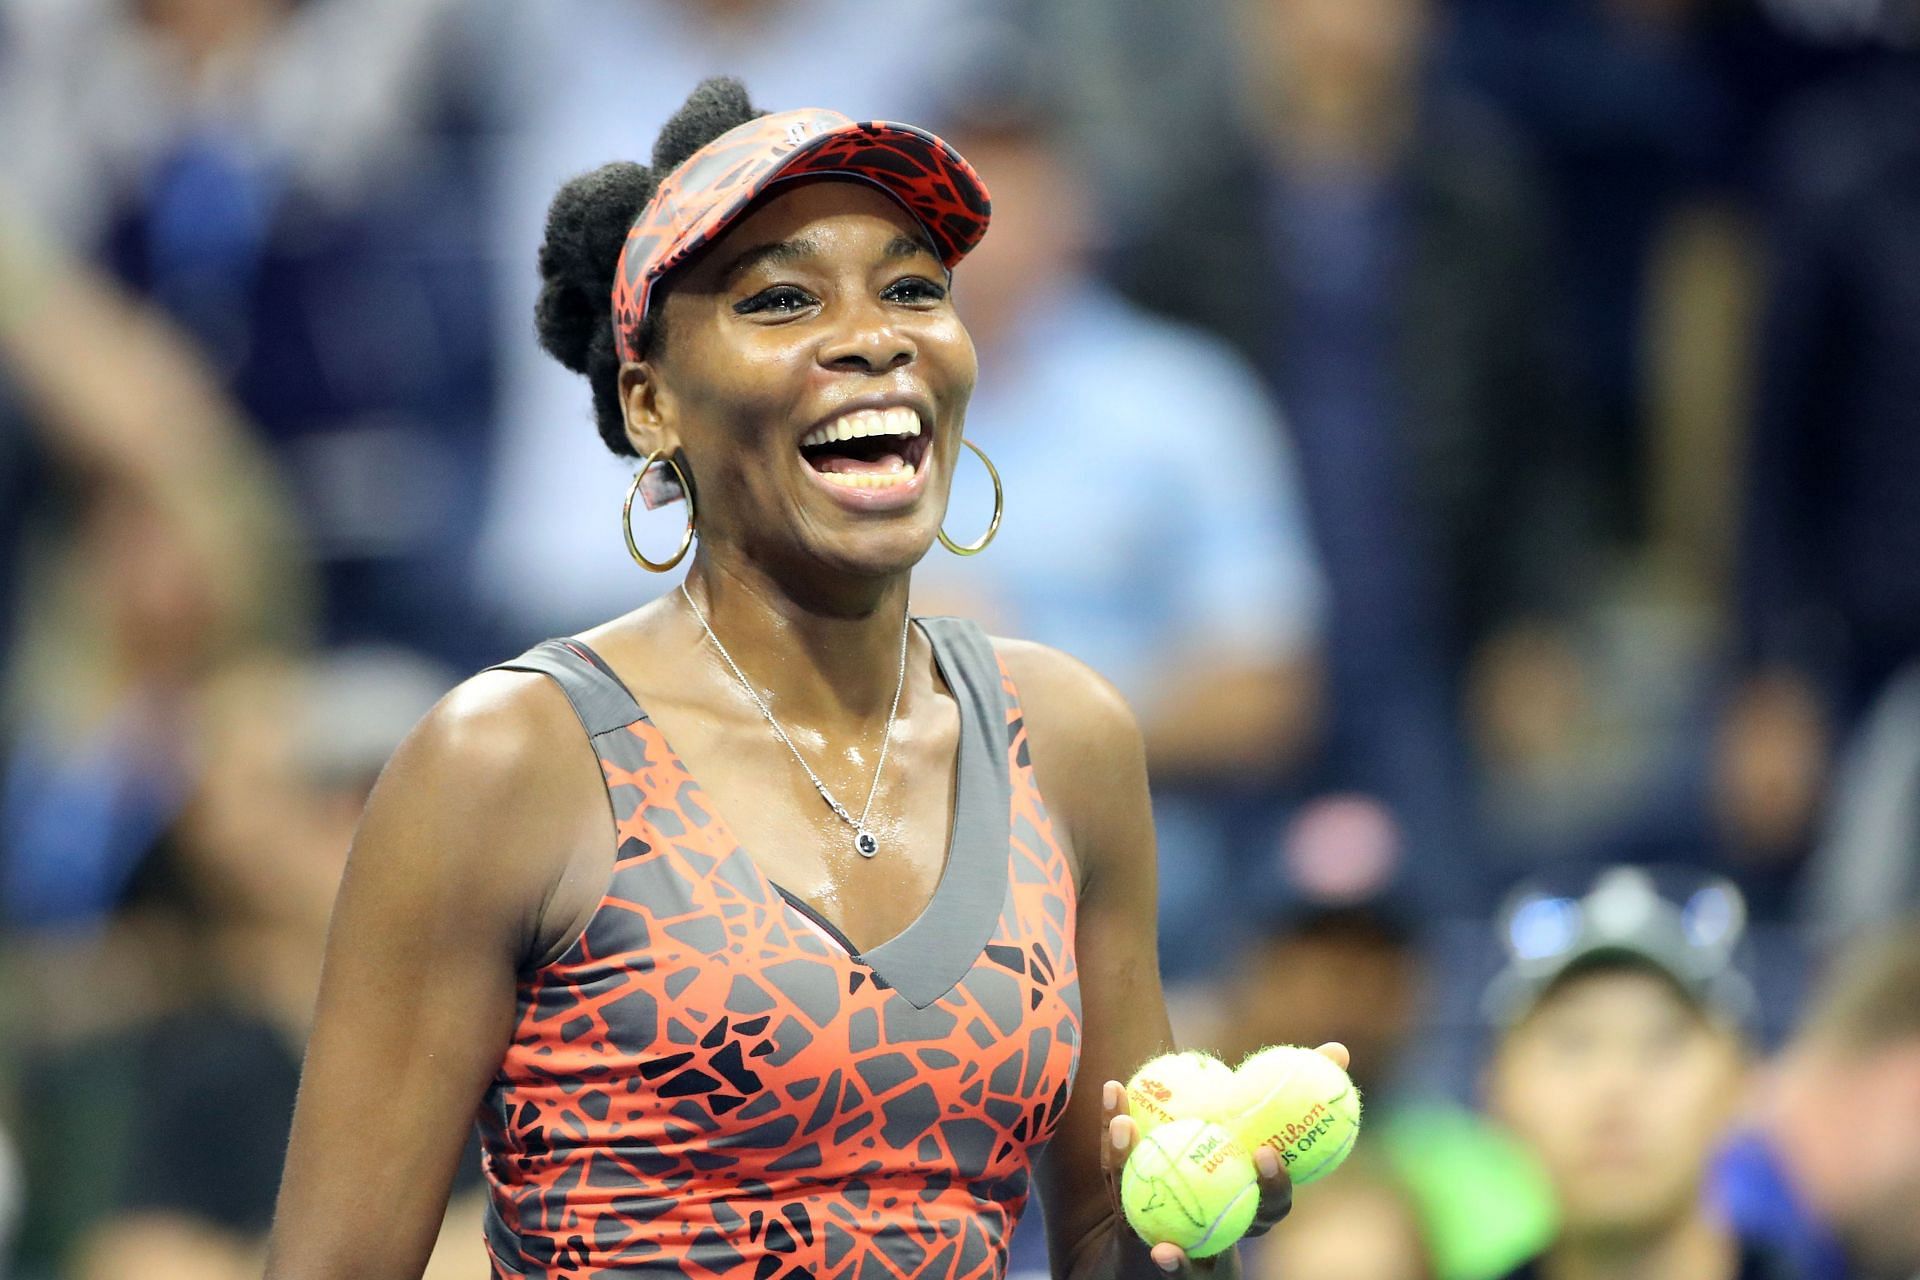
<point>1484,1203</point>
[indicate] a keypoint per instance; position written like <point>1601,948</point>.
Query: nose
<point>868,341</point>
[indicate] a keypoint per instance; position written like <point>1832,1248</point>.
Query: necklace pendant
<point>865,845</point>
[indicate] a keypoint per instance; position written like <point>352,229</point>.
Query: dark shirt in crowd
<point>1404,316</point>
<point>1632,111</point>
<point>214,1108</point>
<point>1831,554</point>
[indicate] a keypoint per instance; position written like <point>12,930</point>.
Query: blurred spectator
<point>289,754</point>
<point>9,1199</point>
<point>578,85</point>
<point>1844,1112</point>
<point>1621,1062</point>
<point>1640,112</point>
<point>1733,788</point>
<point>155,547</point>
<point>1376,248</point>
<point>1351,973</point>
<point>1359,1224</point>
<point>1138,81</point>
<point>1865,868</point>
<point>1830,569</point>
<point>288,181</point>
<point>1172,553</point>
<point>1474,1203</point>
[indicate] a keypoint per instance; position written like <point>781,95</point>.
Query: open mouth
<point>868,448</point>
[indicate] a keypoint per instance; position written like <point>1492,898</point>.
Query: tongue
<point>851,465</point>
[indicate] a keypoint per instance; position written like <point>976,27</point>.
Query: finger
<point>1276,1190</point>
<point>1337,1052</point>
<point>1111,1104</point>
<point>1122,1133</point>
<point>1170,1258</point>
<point>1117,1135</point>
<point>1120,1136</point>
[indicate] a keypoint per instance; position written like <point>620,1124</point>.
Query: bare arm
<point>1088,755</point>
<point>1232,713</point>
<point>116,390</point>
<point>473,823</point>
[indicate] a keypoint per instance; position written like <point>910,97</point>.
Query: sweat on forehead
<point>801,248</point>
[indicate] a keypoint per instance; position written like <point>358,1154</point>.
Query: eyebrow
<point>778,251</point>
<point>793,250</point>
<point>909,247</point>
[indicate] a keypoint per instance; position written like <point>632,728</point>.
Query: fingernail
<point>1168,1264</point>
<point>1267,1161</point>
<point>1111,1096</point>
<point>1116,1136</point>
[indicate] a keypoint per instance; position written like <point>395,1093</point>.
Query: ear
<point>647,408</point>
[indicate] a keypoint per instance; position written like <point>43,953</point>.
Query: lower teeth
<point>870,479</point>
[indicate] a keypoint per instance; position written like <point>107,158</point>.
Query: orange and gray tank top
<point>712,1082</point>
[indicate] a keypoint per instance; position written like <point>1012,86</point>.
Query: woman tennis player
<point>740,921</point>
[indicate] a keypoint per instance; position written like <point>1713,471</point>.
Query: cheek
<point>1695,1094</point>
<point>947,348</point>
<point>731,418</point>
<point>1541,1106</point>
<point>1814,1137</point>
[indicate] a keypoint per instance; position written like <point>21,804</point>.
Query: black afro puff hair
<point>587,224</point>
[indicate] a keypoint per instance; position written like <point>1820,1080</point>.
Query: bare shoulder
<point>487,803</point>
<point>494,728</point>
<point>1068,704</point>
<point>1087,753</point>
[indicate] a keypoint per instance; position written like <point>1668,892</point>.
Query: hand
<point>1276,1189</point>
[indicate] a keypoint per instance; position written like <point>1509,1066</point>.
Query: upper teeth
<point>897,420</point>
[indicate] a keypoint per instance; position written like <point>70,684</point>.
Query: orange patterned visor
<point>697,201</point>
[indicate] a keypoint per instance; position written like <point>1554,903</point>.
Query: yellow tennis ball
<point>1298,1102</point>
<point>1178,1086</point>
<point>1189,1183</point>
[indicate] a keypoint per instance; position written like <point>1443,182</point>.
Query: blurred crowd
<point>1481,437</point>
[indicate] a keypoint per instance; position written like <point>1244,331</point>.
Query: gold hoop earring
<point>626,514</point>
<point>999,506</point>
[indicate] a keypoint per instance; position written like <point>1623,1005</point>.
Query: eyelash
<point>927,289</point>
<point>771,300</point>
<point>787,299</point>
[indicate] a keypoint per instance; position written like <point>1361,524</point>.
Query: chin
<point>831,546</point>
<point>876,554</point>
<point>1618,1213</point>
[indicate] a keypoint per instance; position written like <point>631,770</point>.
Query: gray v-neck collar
<point>939,947</point>
<point>926,959</point>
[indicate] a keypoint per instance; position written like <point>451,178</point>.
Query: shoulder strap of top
<point>941,945</point>
<point>599,699</point>
<point>972,669</point>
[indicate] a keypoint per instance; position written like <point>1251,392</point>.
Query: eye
<point>914,290</point>
<point>779,300</point>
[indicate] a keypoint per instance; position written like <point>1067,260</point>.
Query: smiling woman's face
<point>822,314</point>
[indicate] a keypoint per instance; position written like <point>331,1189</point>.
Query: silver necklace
<point>864,842</point>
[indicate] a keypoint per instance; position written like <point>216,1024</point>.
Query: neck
<point>827,658</point>
<point>1692,1248</point>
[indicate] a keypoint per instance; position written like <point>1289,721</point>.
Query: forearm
<point>157,422</point>
<point>1232,717</point>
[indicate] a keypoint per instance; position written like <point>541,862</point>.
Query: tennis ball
<point>1298,1102</point>
<point>1178,1086</point>
<point>1190,1184</point>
